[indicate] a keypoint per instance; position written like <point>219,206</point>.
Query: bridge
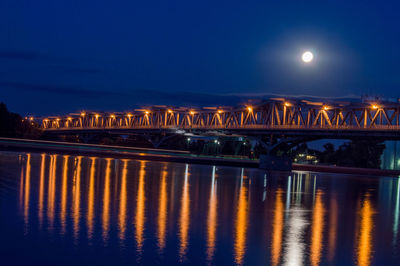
<point>286,119</point>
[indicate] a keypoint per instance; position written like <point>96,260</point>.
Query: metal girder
<point>271,115</point>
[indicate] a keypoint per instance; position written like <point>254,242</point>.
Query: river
<point>61,210</point>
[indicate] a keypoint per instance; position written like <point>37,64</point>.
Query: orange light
<point>146,112</point>
<point>287,104</point>
<point>97,116</point>
<point>250,109</point>
<point>83,114</point>
<point>129,115</point>
<point>170,111</point>
<point>58,119</point>
<point>46,120</point>
<point>220,111</point>
<point>192,112</point>
<point>326,108</point>
<point>112,116</point>
<point>375,106</point>
<point>69,118</point>
<point>31,118</point>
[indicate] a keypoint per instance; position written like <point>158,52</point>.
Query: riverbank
<point>167,155</point>
<point>121,152</point>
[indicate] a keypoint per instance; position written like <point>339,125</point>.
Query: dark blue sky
<point>64,56</point>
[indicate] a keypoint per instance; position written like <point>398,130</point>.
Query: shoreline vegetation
<point>354,153</point>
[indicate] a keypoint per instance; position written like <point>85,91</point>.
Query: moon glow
<point>307,57</point>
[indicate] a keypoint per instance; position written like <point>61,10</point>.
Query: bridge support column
<point>275,160</point>
<point>157,140</point>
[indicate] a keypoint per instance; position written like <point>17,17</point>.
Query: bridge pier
<point>157,140</point>
<point>276,156</point>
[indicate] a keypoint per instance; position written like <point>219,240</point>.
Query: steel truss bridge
<point>271,116</point>
<point>290,121</point>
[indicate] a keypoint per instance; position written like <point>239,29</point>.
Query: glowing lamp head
<point>307,57</point>
<point>129,115</point>
<point>287,104</point>
<point>31,118</point>
<point>250,109</point>
<point>326,108</point>
<point>69,118</point>
<point>374,106</point>
<point>83,113</point>
<point>97,116</point>
<point>192,112</point>
<point>112,116</point>
<point>146,112</point>
<point>169,111</point>
<point>220,111</point>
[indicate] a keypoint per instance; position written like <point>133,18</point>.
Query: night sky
<point>65,56</point>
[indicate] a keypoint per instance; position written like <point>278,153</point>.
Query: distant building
<point>391,156</point>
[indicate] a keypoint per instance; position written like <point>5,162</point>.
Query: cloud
<point>61,90</point>
<point>20,55</point>
<point>52,62</point>
<point>74,69</point>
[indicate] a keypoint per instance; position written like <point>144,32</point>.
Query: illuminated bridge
<point>275,117</point>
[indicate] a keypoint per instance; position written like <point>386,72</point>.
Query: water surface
<point>58,209</point>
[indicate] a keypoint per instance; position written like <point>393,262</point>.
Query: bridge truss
<point>271,115</point>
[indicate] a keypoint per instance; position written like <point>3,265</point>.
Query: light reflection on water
<point>106,202</point>
<point>277,228</point>
<point>128,211</point>
<point>212,219</point>
<point>318,227</point>
<point>162,211</point>
<point>241,221</point>
<point>364,234</point>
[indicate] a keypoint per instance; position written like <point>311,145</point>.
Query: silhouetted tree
<point>12,125</point>
<point>329,155</point>
<point>361,153</point>
<point>356,153</point>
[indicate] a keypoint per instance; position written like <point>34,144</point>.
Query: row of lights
<point>325,107</point>
<point>374,106</point>
<point>83,114</point>
<point>147,112</point>
<point>215,141</point>
<point>249,109</point>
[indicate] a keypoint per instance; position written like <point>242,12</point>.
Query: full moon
<point>307,57</point>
